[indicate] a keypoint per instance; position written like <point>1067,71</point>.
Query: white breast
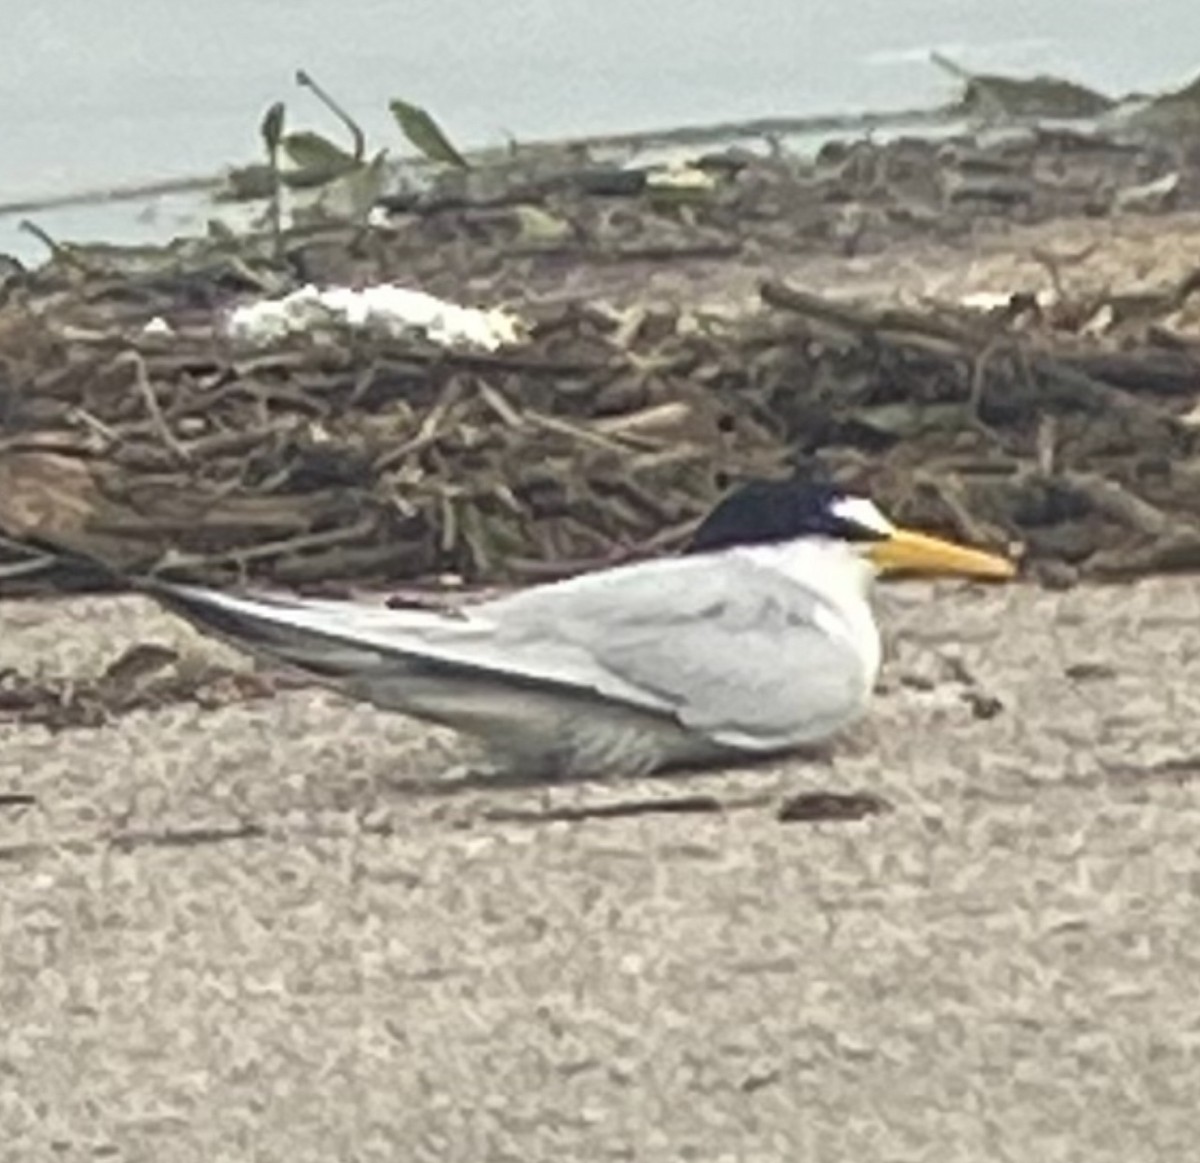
<point>842,580</point>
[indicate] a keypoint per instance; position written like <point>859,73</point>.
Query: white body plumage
<point>760,640</point>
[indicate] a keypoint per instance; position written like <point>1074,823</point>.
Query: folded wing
<point>729,649</point>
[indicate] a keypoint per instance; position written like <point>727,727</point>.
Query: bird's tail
<point>402,661</point>
<point>258,625</point>
<point>269,628</point>
<point>55,568</point>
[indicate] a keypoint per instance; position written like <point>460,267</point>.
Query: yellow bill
<point>906,551</point>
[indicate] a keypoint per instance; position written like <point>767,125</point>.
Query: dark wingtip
<point>202,609</point>
<point>70,570</point>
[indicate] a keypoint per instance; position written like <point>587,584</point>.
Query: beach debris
<point>994,97</point>
<point>1174,111</point>
<point>1149,197</point>
<point>386,309</point>
<point>147,676</point>
<point>358,147</point>
<point>349,422</point>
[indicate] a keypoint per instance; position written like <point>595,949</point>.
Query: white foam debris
<point>158,326</point>
<point>385,308</point>
<point>680,176</point>
<point>988,301</point>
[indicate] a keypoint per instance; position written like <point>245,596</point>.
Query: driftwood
<point>342,458</point>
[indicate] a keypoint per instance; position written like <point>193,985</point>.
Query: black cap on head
<point>762,512</point>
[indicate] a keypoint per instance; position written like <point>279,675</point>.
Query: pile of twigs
<point>346,457</point>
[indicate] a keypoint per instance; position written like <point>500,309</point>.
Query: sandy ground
<point>386,966</point>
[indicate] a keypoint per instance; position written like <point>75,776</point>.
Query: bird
<point>756,640</point>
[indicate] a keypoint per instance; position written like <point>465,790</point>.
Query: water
<point>95,93</point>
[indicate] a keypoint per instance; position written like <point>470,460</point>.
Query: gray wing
<point>728,648</point>
<point>733,650</point>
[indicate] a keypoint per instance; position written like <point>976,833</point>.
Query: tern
<point>758,639</point>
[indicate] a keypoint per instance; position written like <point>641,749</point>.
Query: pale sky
<point>99,91</point>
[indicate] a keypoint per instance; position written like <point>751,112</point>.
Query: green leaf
<point>272,127</point>
<point>312,152</point>
<point>425,134</point>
